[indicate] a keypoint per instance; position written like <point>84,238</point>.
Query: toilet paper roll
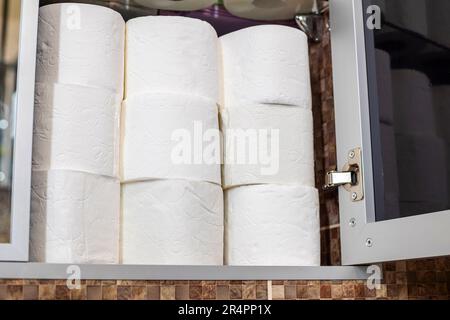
<point>268,9</point>
<point>413,112</point>
<point>384,83</point>
<point>172,54</point>
<point>265,64</point>
<point>81,44</point>
<point>438,21</point>
<point>268,144</point>
<point>74,218</point>
<point>423,164</point>
<point>76,128</point>
<point>390,172</point>
<point>172,222</point>
<point>441,103</point>
<point>269,225</point>
<point>176,5</point>
<point>171,137</point>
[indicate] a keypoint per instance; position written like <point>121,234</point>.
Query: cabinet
<point>377,223</point>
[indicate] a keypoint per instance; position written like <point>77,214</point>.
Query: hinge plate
<point>350,177</point>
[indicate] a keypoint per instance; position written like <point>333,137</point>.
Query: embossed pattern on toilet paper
<point>172,222</point>
<point>265,64</point>
<point>81,44</point>
<point>173,55</point>
<point>278,144</point>
<point>157,125</point>
<point>76,128</point>
<point>270,225</point>
<point>74,218</point>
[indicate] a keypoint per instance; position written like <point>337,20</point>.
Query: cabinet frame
<point>363,240</point>
<point>17,248</point>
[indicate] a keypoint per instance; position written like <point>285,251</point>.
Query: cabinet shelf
<point>11,270</point>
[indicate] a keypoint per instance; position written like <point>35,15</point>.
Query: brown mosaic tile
<point>261,292</point>
<point>139,292</point>
<point>290,292</point>
<point>94,292</point>
<point>325,291</point>
<point>153,292</point>
<point>302,292</point>
<point>31,292</point>
<point>195,292</point>
<point>62,292</point>
<point>109,292</point>
<point>167,292</point>
<point>124,292</point>
<point>223,292</point>
<point>337,291</point>
<point>14,292</point>
<point>313,291</point>
<point>79,294</point>
<point>182,292</point>
<point>249,291</point>
<point>277,292</point>
<point>348,290</point>
<point>47,292</point>
<point>209,292</point>
<point>235,292</point>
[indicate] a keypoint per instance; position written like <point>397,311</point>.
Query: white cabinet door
<point>19,21</point>
<point>391,64</point>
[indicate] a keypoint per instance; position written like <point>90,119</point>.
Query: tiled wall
<point>421,279</point>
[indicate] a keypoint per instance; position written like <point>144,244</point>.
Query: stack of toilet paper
<point>172,210</point>
<point>79,88</point>
<point>422,189</point>
<point>271,205</point>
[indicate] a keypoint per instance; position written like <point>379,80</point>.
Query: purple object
<point>223,21</point>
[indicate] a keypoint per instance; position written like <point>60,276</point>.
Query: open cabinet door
<point>391,62</point>
<point>19,20</point>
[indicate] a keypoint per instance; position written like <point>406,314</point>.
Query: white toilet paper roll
<point>269,225</point>
<point>413,101</point>
<point>441,103</point>
<point>390,172</point>
<point>177,5</point>
<point>265,64</point>
<point>422,171</point>
<point>74,218</point>
<point>268,9</point>
<point>384,83</point>
<point>76,128</point>
<point>172,222</point>
<point>171,137</point>
<point>172,54</point>
<point>81,44</point>
<point>268,144</point>
<point>438,21</point>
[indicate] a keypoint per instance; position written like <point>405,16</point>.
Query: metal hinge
<point>350,177</point>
